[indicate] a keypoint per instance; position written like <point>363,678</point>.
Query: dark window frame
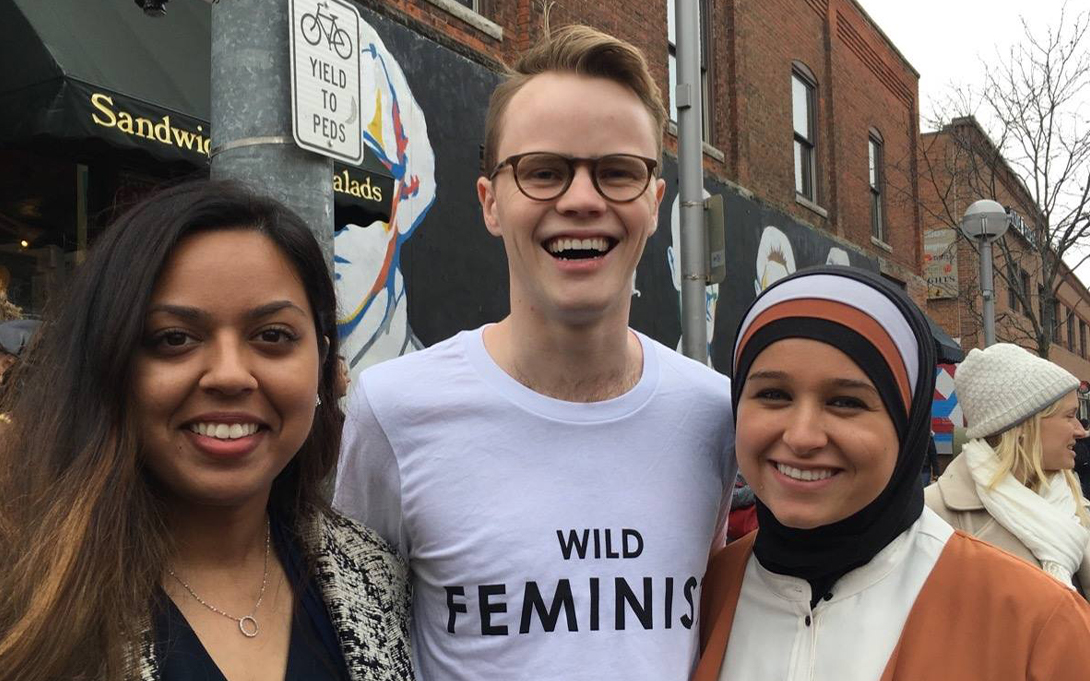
<point>707,100</point>
<point>1070,320</point>
<point>1024,276</point>
<point>806,184</point>
<point>876,182</point>
<point>1057,334</point>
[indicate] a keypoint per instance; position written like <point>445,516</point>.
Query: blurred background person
<point>161,514</point>
<point>1013,484</point>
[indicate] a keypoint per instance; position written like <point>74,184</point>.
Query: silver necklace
<point>246,624</point>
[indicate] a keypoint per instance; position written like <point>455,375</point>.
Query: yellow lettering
<point>141,123</point>
<point>377,193</point>
<point>124,122</point>
<point>207,147</point>
<point>366,189</point>
<point>338,186</point>
<point>97,100</point>
<point>355,191</point>
<point>162,130</point>
<point>183,138</point>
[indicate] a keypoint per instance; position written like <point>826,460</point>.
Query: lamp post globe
<point>984,222</point>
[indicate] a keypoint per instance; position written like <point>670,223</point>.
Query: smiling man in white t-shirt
<point>555,480</point>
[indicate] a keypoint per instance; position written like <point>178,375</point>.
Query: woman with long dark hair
<point>161,505</point>
<point>849,577</point>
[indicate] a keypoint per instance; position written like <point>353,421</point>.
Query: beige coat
<point>955,499</point>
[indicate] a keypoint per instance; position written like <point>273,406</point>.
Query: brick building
<point>959,165</point>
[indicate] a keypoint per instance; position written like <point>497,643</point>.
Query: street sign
<point>325,78</point>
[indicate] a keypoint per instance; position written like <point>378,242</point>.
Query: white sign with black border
<point>325,78</point>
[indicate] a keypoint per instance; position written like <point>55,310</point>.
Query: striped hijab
<point>886,335</point>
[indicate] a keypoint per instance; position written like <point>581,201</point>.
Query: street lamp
<point>984,222</point>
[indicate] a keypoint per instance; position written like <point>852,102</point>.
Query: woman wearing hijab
<point>162,506</point>
<point>849,577</point>
<point>1013,484</point>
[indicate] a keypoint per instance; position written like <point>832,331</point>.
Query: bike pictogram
<point>324,25</point>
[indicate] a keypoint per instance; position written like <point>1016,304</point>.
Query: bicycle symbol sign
<point>322,24</point>
<point>325,78</point>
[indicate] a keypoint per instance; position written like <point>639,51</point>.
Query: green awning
<point>95,75</point>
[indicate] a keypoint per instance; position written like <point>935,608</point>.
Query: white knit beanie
<point>1003,385</point>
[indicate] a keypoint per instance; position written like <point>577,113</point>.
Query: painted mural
<point>374,323</point>
<point>945,411</point>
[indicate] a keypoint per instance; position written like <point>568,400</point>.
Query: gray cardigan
<point>365,587</point>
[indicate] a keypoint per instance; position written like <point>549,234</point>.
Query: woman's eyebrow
<point>196,313</point>
<point>272,308</point>
<point>853,383</point>
<point>768,374</point>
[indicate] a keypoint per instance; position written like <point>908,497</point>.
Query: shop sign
<point>325,78</point>
<point>940,257</point>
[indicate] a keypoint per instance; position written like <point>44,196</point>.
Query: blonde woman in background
<point>1013,484</point>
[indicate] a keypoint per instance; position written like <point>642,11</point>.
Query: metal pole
<point>690,171</point>
<point>986,286</point>
<point>251,115</point>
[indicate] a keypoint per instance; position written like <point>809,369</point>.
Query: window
<point>1041,306</point>
<point>474,5</point>
<point>1082,339</point>
<point>874,157</point>
<point>804,123</point>
<point>1025,287</point>
<point>1056,322</point>
<point>704,28</point>
<point>1012,296</point>
<point>1070,331</point>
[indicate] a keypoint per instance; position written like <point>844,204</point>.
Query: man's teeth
<point>807,475</point>
<point>596,244</point>
<point>224,431</point>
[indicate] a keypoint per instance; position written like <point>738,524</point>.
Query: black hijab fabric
<point>824,554</point>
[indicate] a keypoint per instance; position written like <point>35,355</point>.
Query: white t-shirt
<point>548,540</point>
<point>776,636</point>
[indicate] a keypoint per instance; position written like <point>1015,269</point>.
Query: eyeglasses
<point>544,176</point>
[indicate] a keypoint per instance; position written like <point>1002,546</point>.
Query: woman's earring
<point>317,400</point>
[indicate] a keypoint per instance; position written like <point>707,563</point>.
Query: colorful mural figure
<point>775,259</point>
<point>673,258</point>
<point>374,325</point>
<point>945,410</point>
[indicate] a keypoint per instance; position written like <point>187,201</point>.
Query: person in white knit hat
<point>1013,484</point>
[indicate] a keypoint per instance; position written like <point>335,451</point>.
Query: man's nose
<point>582,197</point>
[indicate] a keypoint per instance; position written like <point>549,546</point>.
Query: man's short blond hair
<point>583,51</point>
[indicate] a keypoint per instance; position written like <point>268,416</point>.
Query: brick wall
<point>863,84</point>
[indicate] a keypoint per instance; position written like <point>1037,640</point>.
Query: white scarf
<point>1047,523</point>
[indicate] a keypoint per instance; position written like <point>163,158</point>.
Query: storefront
<point>100,105</point>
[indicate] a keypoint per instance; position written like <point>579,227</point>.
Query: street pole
<point>251,114</point>
<point>987,291</point>
<point>690,171</point>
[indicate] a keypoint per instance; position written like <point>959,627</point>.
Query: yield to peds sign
<point>325,78</point>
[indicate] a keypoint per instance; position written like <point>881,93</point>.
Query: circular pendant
<point>248,626</point>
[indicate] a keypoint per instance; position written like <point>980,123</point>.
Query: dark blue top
<point>314,651</point>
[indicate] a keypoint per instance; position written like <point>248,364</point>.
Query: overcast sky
<point>947,41</point>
